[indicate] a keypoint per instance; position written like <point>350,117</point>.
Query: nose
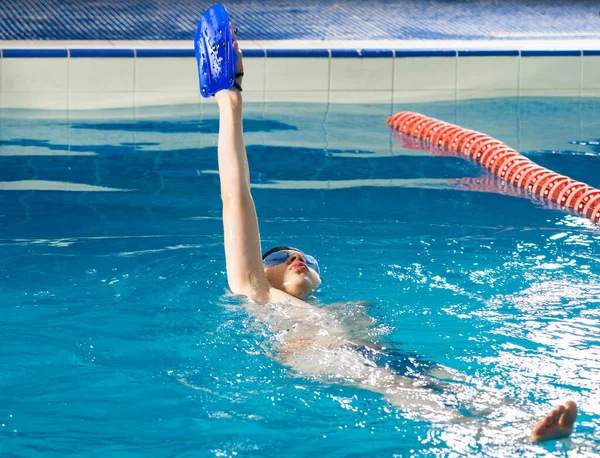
<point>296,256</point>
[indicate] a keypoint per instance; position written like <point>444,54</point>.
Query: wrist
<point>231,97</point>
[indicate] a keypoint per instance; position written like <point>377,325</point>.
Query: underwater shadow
<point>210,126</point>
<point>103,150</point>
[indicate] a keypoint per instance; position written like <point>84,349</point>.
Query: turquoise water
<point>119,337</point>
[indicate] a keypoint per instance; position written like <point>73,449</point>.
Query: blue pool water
<point>119,337</point>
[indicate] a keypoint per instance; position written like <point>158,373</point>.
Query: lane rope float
<point>504,162</point>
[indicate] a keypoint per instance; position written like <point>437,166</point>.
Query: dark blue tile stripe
<point>253,52</point>
<point>376,53</point>
<point>74,53</point>
<point>32,53</point>
<point>344,53</point>
<point>362,53</point>
<point>487,52</point>
<point>291,53</point>
<point>164,53</point>
<point>425,53</point>
<point>296,53</point>
<point>556,52</point>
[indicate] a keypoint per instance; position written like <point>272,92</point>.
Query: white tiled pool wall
<point>80,79</point>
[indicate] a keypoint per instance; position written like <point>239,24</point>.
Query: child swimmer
<point>311,340</point>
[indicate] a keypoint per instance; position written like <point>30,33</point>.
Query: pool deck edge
<point>496,44</point>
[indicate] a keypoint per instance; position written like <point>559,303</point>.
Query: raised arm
<point>245,272</point>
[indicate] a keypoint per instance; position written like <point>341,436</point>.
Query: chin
<point>293,291</point>
<point>299,289</point>
<point>297,284</point>
<point>302,296</point>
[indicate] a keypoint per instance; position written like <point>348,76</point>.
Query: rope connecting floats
<point>503,161</point>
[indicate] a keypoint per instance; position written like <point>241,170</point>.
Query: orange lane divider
<point>503,161</point>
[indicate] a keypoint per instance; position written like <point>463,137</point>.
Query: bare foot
<point>557,424</point>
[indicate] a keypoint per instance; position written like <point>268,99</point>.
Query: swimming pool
<point>119,337</point>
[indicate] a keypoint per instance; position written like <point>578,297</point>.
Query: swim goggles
<point>272,258</point>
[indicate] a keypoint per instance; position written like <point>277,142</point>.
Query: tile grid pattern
<point>73,79</point>
<point>312,19</point>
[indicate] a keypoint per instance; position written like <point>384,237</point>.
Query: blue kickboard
<point>215,55</point>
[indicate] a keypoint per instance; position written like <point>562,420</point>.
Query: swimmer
<point>312,340</point>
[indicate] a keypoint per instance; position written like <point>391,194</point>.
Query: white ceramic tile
<point>166,74</point>
<point>146,99</point>
<point>359,139</point>
<point>169,74</point>
<point>367,96</point>
<point>497,116</point>
<point>361,74</point>
<point>534,135</point>
<point>39,74</point>
<point>51,132</point>
<point>546,72</point>
<point>300,137</point>
<point>125,113</point>
<point>254,74</point>
<point>590,92</point>
<point>41,100</point>
<point>485,94</point>
<point>549,92</point>
<point>297,74</point>
<point>93,137</point>
<point>591,72</point>
<point>445,111</point>
<point>166,98</point>
<point>101,75</point>
<point>529,141</point>
<point>511,140</point>
<point>305,140</point>
<point>33,114</point>
<point>417,96</point>
<point>193,110</point>
<point>23,151</point>
<point>248,96</point>
<point>99,100</point>
<point>487,72</point>
<point>424,73</point>
<point>590,113</point>
<point>252,96</point>
<point>47,185</point>
<point>297,96</point>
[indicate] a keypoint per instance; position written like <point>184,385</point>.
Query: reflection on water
<point>45,185</point>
